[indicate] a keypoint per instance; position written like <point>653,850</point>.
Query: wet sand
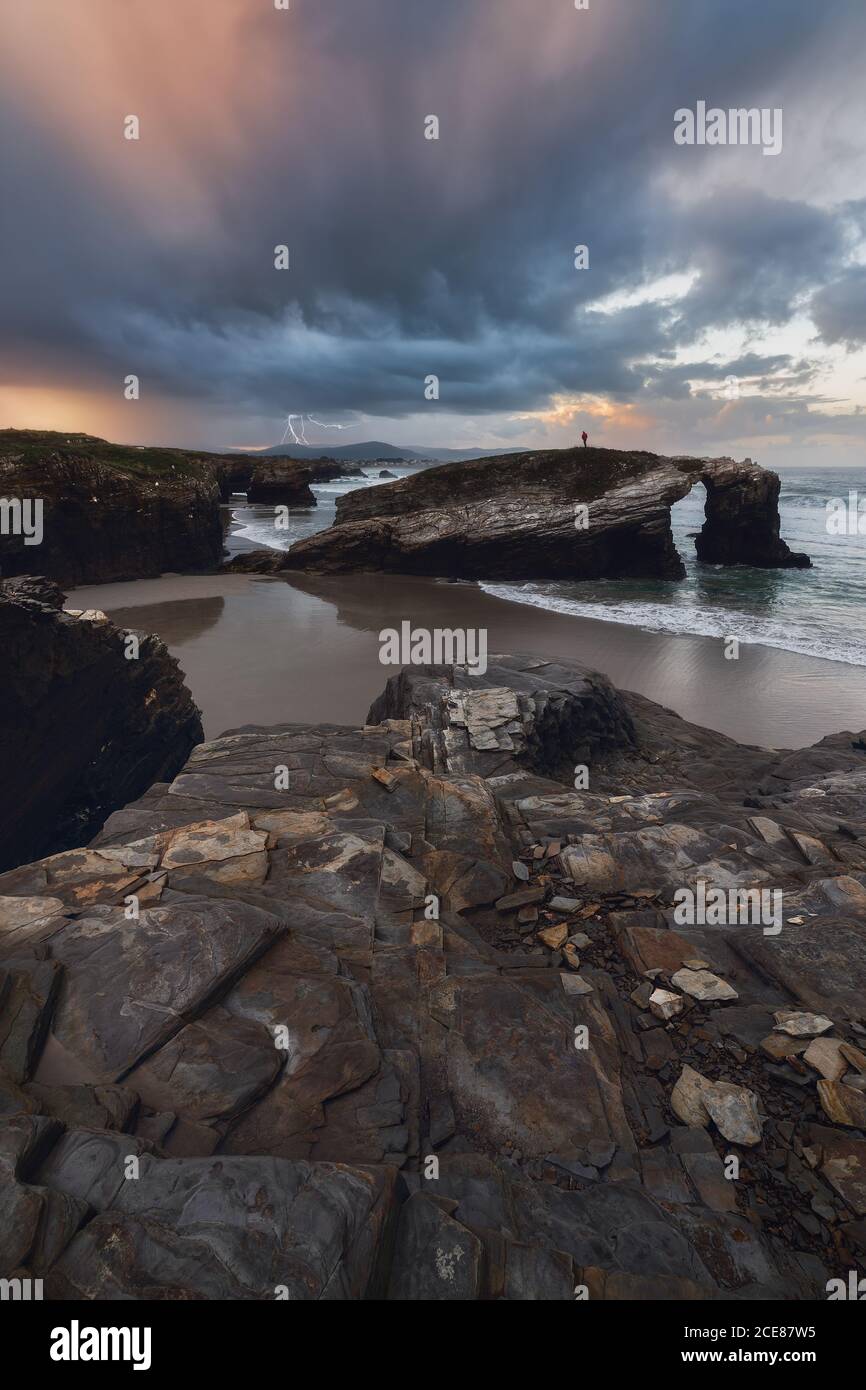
<point>267,651</point>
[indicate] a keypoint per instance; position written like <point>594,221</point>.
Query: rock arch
<point>741,516</point>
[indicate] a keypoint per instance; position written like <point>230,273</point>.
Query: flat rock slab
<point>249,1228</point>
<point>436,1259</point>
<point>322,1021</point>
<point>514,1071</point>
<point>842,1104</point>
<point>703,985</point>
<point>822,962</point>
<point>211,1070</point>
<point>801,1025</point>
<point>842,1159</point>
<point>21,912</point>
<point>653,948</point>
<point>826,1056</point>
<point>130,985</point>
<point>212,841</point>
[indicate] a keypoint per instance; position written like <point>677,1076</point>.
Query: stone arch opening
<point>688,517</point>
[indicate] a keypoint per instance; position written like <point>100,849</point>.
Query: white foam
<point>686,620</point>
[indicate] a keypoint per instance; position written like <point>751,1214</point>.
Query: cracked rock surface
<point>367,1013</point>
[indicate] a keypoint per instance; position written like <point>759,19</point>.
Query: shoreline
<point>305,649</point>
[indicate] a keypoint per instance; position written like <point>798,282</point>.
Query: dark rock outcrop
<point>110,511</point>
<point>519,517</point>
<point>281,482</point>
<point>742,518</point>
<point>232,473</point>
<point>256,474</point>
<point>83,729</point>
<point>397,1029</point>
<point>326,470</point>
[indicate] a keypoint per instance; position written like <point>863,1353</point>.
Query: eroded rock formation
<point>281,481</point>
<point>533,1091</point>
<point>261,477</point>
<point>82,728</point>
<point>516,517</point>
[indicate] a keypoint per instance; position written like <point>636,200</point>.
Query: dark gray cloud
<point>412,257</point>
<point>839,309</point>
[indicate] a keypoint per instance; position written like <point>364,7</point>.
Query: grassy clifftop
<point>32,445</point>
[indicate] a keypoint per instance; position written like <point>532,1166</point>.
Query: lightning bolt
<point>299,434</point>
<point>296,437</point>
<point>324,426</point>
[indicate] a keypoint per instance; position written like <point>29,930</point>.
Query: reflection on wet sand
<point>267,651</point>
<point>177,621</point>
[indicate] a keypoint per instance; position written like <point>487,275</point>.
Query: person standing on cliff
<point>584,437</point>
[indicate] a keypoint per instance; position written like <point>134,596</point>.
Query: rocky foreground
<point>560,514</point>
<point>244,1058</point>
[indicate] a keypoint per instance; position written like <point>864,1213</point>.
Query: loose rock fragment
<point>687,1099</point>
<point>801,1025</point>
<point>574,984</point>
<point>853,1055</point>
<point>843,1104</point>
<point>825,1055</point>
<point>522,898</point>
<point>703,985</point>
<point>384,778</point>
<point>664,1004</point>
<point>733,1109</point>
<point>571,957</point>
<point>780,1045</point>
<point>554,937</point>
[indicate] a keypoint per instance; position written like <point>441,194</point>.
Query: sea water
<point>816,612</point>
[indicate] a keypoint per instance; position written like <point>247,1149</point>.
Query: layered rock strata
<point>561,514</point>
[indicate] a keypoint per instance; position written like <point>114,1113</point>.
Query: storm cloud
<point>408,256</point>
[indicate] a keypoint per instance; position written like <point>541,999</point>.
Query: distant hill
<point>372,451</point>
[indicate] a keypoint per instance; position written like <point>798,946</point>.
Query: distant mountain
<point>372,451</point>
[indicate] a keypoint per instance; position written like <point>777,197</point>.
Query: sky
<point>411,258</point>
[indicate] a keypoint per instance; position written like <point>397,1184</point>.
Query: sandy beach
<point>266,651</point>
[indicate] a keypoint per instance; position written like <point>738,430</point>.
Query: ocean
<point>820,612</point>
